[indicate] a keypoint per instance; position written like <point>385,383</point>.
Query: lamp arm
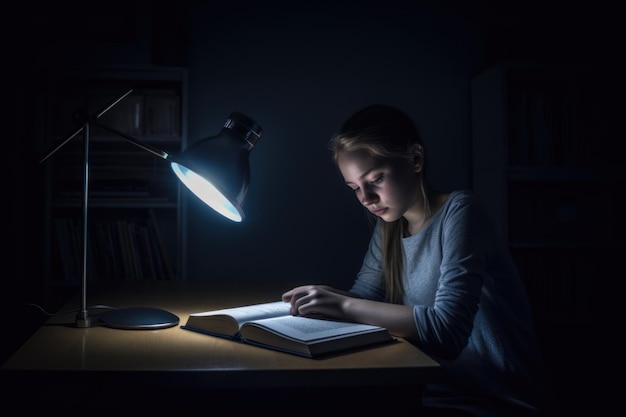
<point>98,115</point>
<point>134,141</point>
<point>62,143</point>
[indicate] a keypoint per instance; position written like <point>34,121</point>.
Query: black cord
<point>62,313</point>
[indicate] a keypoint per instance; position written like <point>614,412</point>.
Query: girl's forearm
<point>396,318</point>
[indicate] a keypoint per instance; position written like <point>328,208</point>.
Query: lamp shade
<point>217,169</point>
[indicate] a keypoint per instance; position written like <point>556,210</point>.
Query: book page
<point>251,312</point>
<point>309,329</point>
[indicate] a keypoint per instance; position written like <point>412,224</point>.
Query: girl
<point>435,273</point>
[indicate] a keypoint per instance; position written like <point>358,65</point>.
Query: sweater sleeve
<point>445,327</point>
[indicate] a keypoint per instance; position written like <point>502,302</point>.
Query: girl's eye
<point>378,180</point>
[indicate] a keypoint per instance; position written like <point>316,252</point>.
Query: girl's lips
<point>379,212</point>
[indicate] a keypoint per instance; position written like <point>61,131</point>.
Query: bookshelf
<point>547,164</point>
<point>136,227</point>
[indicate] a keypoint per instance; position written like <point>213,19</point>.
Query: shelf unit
<point>136,226</point>
<point>548,165</point>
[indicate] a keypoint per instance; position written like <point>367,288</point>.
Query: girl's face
<point>387,188</point>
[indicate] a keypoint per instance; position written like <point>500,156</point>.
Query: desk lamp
<point>216,169</point>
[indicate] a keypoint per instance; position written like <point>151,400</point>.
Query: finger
<point>307,304</point>
<point>299,303</point>
<point>289,295</point>
<point>294,299</point>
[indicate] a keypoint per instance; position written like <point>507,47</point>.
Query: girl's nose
<point>368,197</point>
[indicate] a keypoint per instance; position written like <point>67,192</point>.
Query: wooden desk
<point>158,369</point>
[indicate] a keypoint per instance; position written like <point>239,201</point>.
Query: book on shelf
<point>271,325</point>
<point>118,248</point>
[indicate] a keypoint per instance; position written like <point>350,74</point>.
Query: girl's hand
<point>316,301</point>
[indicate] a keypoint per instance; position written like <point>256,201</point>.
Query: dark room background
<point>299,69</point>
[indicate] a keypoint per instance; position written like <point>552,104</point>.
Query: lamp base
<point>138,318</point>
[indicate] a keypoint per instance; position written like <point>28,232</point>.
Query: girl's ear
<point>417,151</point>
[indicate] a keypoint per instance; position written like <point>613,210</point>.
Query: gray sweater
<point>470,309</point>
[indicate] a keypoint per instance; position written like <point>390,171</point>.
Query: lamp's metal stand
<point>82,318</point>
<point>133,318</point>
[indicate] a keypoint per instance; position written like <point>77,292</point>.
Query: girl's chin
<point>388,218</point>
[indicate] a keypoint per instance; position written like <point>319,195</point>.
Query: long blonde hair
<point>385,133</point>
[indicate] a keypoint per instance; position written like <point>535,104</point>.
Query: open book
<point>270,325</point>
